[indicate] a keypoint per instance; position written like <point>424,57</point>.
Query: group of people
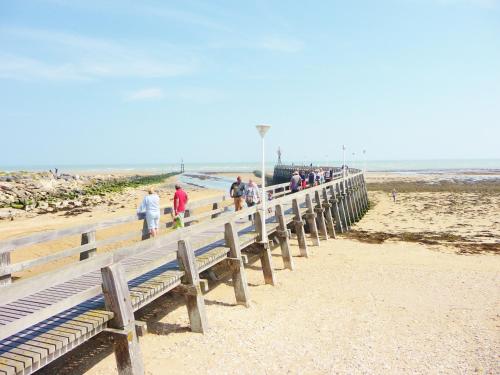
<point>301,180</point>
<point>150,208</point>
<point>241,193</point>
<point>244,193</point>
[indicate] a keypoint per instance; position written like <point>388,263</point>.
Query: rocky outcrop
<point>45,192</point>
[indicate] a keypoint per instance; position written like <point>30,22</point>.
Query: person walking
<point>394,195</point>
<point>150,207</point>
<point>180,201</point>
<point>237,192</point>
<point>295,182</point>
<point>252,195</point>
<point>311,178</point>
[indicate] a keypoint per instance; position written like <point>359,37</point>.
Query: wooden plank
<point>34,284</point>
<point>240,283</point>
<point>117,299</point>
<point>265,256</point>
<point>284,239</point>
<point>336,210</point>
<point>320,215</point>
<point>44,313</point>
<point>195,303</point>
<point>299,229</point>
<point>5,274</point>
<point>88,238</point>
<point>311,221</point>
<point>327,206</point>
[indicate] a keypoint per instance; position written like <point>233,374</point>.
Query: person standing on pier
<point>180,201</point>
<point>237,191</point>
<point>311,178</point>
<point>295,182</point>
<point>150,206</point>
<point>252,195</point>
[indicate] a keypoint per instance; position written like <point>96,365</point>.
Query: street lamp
<point>343,167</point>
<point>262,129</point>
<point>364,161</point>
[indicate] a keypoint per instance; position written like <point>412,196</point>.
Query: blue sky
<point>86,82</point>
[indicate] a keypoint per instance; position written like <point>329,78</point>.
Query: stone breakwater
<point>44,192</point>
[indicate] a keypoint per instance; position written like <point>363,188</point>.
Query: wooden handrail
<point>29,286</point>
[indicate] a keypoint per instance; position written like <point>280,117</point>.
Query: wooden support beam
<point>215,206</point>
<point>117,299</point>
<point>141,328</point>
<point>145,230</point>
<point>299,229</point>
<point>88,238</point>
<point>311,221</point>
<point>283,239</point>
<point>195,303</point>
<point>336,210</point>
<point>265,256</point>
<point>5,262</point>
<point>320,215</point>
<point>239,277</point>
<point>343,206</point>
<point>187,214</point>
<point>328,207</point>
<point>352,194</point>
<point>348,204</point>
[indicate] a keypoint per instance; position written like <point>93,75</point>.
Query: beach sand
<point>124,204</point>
<point>400,304</point>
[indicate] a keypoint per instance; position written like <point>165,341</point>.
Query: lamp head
<point>262,129</point>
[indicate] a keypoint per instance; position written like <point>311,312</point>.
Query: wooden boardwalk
<point>47,315</point>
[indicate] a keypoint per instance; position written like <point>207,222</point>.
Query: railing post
<point>299,229</point>
<point>283,238</point>
<point>194,298</point>
<point>352,193</point>
<point>88,238</point>
<point>343,204</point>
<point>265,255</point>
<point>187,214</point>
<point>320,216</point>
<point>239,277</point>
<point>5,262</point>
<point>215,206</point>
<point>122,326</point>
<point>365,192</point>
<point>145,230</point>
<point>311,221</point>
<point>330,225</point>
<point>360,195</point>
<point>348,200</point>
<point>336,210</point>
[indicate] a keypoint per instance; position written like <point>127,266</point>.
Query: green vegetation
<point>484,186</point>
<point>101,188</point>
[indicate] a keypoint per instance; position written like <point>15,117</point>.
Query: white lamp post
<point>343,167</point>
<point>262,129</point>
<point>364,161</point>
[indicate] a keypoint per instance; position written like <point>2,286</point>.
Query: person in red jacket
<point>180,202</point>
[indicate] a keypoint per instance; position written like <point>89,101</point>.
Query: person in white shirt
<point>150,206</point>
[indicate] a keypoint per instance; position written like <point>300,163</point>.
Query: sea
<point>397,166</point>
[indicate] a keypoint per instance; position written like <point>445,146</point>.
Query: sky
<point>134,82</point>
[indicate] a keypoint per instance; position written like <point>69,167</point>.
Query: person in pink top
<point>180,201</point>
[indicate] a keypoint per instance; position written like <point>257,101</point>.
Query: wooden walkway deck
<point>45,316</point>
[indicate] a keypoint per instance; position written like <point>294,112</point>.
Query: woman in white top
<point>151,207</point>
<point>252,195</point>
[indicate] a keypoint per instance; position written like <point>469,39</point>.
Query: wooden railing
<point>328,208</point>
